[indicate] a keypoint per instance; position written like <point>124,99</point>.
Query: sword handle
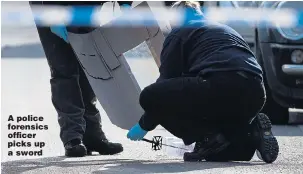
<point>149,141</point>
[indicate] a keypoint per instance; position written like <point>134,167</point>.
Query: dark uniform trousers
<point>72,95</point>
<point>191,107</point>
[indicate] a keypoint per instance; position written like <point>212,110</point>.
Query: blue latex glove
<point>136,133</point>
<point>60,31</point>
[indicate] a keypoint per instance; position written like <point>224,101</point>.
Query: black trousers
<point>191,107</point>
<point>72,95</point>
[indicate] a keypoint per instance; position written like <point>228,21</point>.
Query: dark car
<point>280,52</point>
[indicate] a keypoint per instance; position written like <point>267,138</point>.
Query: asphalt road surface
<point>26,91</point>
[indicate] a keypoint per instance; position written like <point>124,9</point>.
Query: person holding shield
<point>72,96</point>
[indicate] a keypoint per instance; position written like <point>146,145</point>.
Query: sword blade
<point>176,147</point>
<point>150,141</point>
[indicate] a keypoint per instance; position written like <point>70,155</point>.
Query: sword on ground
<point>158,144</point>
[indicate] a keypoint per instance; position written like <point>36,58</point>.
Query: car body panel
<point>275,54</point>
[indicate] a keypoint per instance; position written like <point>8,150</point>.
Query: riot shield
<point>100,54</point>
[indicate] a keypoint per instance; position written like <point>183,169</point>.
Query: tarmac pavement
<point>25,91</point>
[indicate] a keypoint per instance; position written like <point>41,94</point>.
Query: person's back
<point>212,47</point>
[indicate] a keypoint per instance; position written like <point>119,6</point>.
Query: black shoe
<point>241,148</point>
<point>75,148</point>
<point>203,149</point>
<point>266,144</point>
<point>97,142</point>
<point>104,148</point>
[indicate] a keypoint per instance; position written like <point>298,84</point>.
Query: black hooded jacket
<point>206,47</point>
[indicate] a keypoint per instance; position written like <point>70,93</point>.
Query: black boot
<point>211,145</point>
<point>241,148</point>
<point>75,148</point>
<point>264,140</point>
<point>96,141</point>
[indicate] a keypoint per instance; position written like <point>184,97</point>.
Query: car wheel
<point>277,113</point>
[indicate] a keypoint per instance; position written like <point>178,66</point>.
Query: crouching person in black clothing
<point>209,92</point>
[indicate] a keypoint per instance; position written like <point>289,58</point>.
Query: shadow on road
<point>117,165</point>
<point>168,167</point>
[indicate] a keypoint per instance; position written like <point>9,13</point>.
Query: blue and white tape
<point>92,16</point>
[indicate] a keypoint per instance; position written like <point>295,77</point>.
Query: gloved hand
<point>136,133</point>
<point>60,31</point>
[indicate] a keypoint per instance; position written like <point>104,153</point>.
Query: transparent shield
<point>142,65</point>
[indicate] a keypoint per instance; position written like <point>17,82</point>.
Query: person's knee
<point>64,70</point>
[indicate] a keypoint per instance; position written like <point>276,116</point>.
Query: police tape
<point>94,16</point>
